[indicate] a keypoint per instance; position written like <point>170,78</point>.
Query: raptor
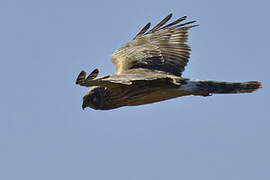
<point>149,69</point>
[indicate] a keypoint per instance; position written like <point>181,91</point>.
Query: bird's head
<point>94,98</point>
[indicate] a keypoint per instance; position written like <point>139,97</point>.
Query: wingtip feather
<point>81,77</point>
<point>92,75</point>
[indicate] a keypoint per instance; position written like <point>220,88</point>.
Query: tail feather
<point>216,87</point>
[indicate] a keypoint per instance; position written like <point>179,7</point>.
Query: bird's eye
<point>95,100</point>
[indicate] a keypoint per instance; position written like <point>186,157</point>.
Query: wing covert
<point>160,49</point>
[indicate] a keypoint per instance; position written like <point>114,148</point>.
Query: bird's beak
<point>84,106</point>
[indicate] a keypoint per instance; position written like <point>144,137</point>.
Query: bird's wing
<point>163,48</point>
<point>125,79</point>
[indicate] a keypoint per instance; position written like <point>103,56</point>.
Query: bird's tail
<point>206,88</point>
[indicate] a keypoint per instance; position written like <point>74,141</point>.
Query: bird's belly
<point>153,95</point>
<point>143,92</point>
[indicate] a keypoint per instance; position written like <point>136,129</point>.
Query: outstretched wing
<point>163,48</point>
<point>125,79</point>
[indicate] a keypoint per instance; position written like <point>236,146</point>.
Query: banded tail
<point>206,88</point>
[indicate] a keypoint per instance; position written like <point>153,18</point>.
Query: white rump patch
<point>191,85</point>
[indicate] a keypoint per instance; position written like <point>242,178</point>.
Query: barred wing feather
<point>160,49</point>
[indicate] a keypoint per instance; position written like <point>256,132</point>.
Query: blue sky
<point>44,134</point>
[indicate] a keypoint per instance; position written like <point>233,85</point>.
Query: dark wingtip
<point>81,77</point>
<point>160,24</point>
<point>92,75</point>
<point>169,15</point>
<point>143,30</point>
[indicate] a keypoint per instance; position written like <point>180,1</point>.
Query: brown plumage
<point>148,69</point>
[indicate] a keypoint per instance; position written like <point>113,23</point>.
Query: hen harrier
<point>149,69</point>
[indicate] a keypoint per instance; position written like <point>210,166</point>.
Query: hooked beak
<point>83,106</point>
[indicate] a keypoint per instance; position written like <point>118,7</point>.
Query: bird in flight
<point>149,69</point>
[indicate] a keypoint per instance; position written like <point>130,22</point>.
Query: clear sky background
<point>45,135</point>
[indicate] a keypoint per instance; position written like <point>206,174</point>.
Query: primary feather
<point>161,48</point>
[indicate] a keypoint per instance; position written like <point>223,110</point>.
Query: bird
<point>149,69</point>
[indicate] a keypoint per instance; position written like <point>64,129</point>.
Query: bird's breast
<point>140,94</point>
